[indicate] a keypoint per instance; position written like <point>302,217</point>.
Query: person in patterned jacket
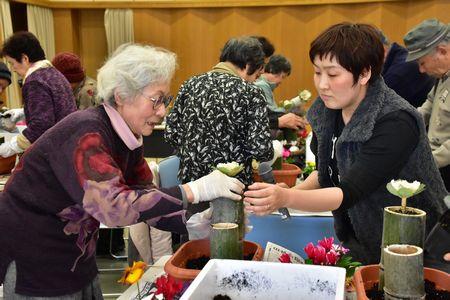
<point>221,116</point>
<point>89,169</point>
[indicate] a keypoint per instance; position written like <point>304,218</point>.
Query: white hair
<point>131,68</point>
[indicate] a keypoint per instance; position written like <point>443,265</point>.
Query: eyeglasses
<point>160,100</point>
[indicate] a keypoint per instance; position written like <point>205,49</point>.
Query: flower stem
<point>139,291</point>
<point>404,203</point>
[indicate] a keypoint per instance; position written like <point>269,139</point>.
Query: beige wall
<point>197,34</point>
<point>82,31</point>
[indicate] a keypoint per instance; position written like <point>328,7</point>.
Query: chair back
<point>168,171</point>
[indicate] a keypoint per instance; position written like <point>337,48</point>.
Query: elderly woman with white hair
<point>89,169</point>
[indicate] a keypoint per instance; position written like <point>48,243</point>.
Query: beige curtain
<point>13,96</point>
<point>40,23</point>
<point>119,28</point>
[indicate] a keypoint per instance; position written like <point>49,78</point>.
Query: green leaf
<point>309,261</point>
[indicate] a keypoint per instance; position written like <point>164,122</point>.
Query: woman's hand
<point>264,198</point>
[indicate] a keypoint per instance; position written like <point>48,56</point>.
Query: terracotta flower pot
<point>366,276</point>
<point>288,174</point>
<point>7,164</point>
<point>176,265</point>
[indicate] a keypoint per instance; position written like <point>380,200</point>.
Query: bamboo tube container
<point>229,211</point>
<point>403,273</point>
<point>224,243</point>
<point>401,228</point>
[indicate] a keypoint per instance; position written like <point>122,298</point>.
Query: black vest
<point>360,227</point>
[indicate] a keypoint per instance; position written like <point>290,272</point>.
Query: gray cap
<point>424,37</point>
<point>4,72</point>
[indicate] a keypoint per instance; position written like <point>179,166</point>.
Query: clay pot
<point>7,164</point>
<point>175,266</point>
<point>366,276</point>
<point>288,174</point>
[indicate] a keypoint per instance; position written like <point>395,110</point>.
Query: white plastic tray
<point>266,280</point>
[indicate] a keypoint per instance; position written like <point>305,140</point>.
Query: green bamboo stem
<point>139,291</point>
<point>229,211</point>
<point>403,273</point>
<point>401,228</point>
<point>224,243</point>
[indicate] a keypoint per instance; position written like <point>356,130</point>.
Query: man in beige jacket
<point>429,44</point>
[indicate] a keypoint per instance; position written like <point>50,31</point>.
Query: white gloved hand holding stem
<point>215,185</point>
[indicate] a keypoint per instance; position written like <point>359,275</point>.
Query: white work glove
<point>16,114</point>
<point>215,185</point>
<point>199,224</point>
<point>10,148</point>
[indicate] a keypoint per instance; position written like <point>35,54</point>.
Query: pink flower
<point>319,256</point>
<point>327,243</point>
<point>309,250</point>
<point>286,153</point>
<point>285,258</point>
<point>340,249</point>
<point>332,257</point>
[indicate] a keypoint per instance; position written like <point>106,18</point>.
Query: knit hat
<point>4,72</point>
<point>69,65</point>
<point>425,37</point>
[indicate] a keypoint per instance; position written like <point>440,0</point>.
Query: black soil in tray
<point>199,263</point>
<point>431,293</point>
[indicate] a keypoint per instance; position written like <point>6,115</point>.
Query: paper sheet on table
<point>274,251</point>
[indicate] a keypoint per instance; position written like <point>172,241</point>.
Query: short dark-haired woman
<point>47,95</point>
<point>364,136</point>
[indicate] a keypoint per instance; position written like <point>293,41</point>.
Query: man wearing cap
<point>84,88</point>
<point>5,77</point>
<point>429,44</point>
<point>402,76</point>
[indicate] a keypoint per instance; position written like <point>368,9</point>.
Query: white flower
<point>277,148</point>
<point>305,95</point>
<point>404,189</point>
<point>288,105</point>
<point>284,142</point>
<point>230,169</point>
<point>294,143</point>
<point>294,149</point>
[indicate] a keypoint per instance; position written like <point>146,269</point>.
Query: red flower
<point>327,243</point>
<point>285,258</point>
<point>168,286</point>
<point>319,255</point>
<point>309,250</point>
<point>332,258</point>
<point>303,133</point>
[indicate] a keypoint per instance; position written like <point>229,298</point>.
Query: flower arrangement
<point>302,98</point>
<point>327,253</point>
<point>404,189</point>
<point>133,274</point>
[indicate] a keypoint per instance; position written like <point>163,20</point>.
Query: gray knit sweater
<point>360,226</point>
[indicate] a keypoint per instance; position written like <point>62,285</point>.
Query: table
<point>150,275</point>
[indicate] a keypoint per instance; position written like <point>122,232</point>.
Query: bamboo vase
<point>403,273</point>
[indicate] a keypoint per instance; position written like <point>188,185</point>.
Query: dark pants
<point>445,173</point>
